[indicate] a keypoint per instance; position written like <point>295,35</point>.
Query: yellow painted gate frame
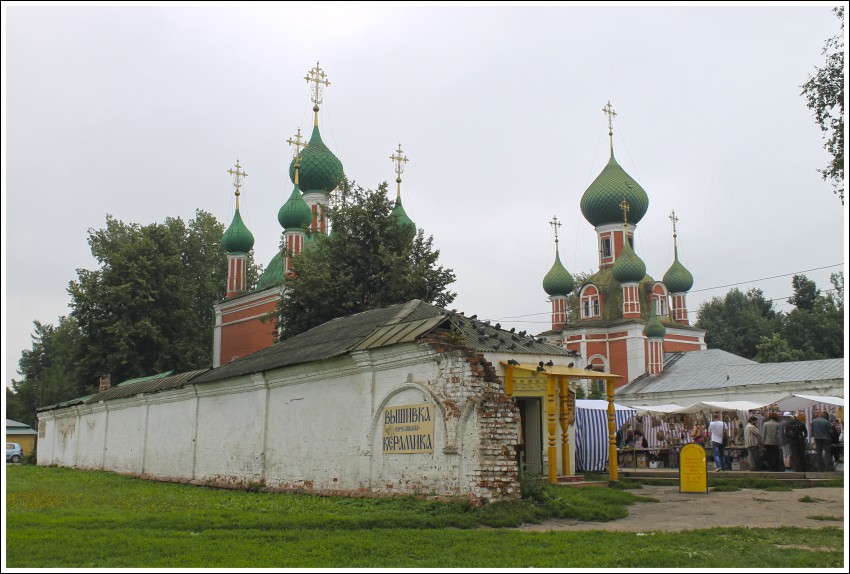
<point>557,377</point>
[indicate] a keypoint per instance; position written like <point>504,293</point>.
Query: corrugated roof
<point>146,385</point>
<point>390,325</point>
<point>150,378</point>
<point>717,369</point>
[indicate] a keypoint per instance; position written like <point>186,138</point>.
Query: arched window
<point>589,302</point>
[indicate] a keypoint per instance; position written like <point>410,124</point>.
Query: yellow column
<point>565,427</point>
<point>550,425</point>
<point>509,380</point>
<point>613,475</point>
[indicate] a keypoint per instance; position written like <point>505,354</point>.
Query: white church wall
<point>230,427</point>
<point>91,431</point>
<point>170,439</point>
<point>317,427</point>
<point>125,435</point>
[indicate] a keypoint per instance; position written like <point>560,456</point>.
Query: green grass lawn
<point>63,518</point>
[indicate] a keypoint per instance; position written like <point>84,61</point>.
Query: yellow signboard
<point>409,429</point>
<point>693,469</point>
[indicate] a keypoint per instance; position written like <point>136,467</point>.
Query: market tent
<point>663,409</point>
<point>723,406</point>
<point>798,402</point>
<point>591,432</point>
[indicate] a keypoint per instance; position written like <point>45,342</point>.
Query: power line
<point>766,278</point>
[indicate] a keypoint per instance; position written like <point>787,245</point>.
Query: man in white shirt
<point>718,429</point>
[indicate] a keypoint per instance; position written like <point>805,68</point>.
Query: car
<point>13,452</point>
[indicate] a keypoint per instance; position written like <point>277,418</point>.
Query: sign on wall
<point>409,429</point>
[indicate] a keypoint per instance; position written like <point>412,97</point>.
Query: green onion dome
<point>558,282</point>
<point>274,273</point>
<point>678,279</point>
<point>295,213</point>
<point>320,170</point>
<point>401,214</point>
<point>600,204</point>
<point>629,268</point>
<point>237,238</point>
<point>654,329</point>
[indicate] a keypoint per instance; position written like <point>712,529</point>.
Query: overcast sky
<point>139,111</point>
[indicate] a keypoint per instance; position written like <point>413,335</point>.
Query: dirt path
<point>747,507</point>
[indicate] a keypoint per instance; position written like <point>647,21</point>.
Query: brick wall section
<point>469,376</point>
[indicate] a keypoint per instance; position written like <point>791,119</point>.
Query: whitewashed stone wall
<point>312,428</point>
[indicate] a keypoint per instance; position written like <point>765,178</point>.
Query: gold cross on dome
<point>400,159</point>
<point>296,141</point>
<point>624,205</point>
<point>555,224</point>
<point>674,219</point>
<point>609,111</point>
<point>237,176</point>
<point>318,77</point>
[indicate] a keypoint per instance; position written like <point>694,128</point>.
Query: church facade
<point>627,321</point>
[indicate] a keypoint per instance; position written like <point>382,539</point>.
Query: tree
<point>148,308</point>
<point>738,322</point>
<point>815,328</point>
<point>49,370</point>
<point>775,349</point>
<point>825,96</point>
<point>368,261</point>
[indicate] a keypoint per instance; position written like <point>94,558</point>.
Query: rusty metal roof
<point>146,385</point>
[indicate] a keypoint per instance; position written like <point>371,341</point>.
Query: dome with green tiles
<point>558,282</point>
<point>274,273</point>
<point>654,329</point>
<point>600,204</point>
<point>320,170</point>
<point>678,279</point>
<point>399,212</point>
<point>629,268</point>
<point>295,213</point>
<point>612,294</point>
<point>237,238</point>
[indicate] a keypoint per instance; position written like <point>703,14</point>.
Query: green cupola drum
<point>558,283</point>
<point>398,211</point>
<point>600,202</point>
<point>295,214</point>
<point>321,171</point>
<point>237,241</point>
<point>629,270</point>
<point>678,281</point>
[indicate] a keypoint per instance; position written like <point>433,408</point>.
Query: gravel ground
<point>747,507</point>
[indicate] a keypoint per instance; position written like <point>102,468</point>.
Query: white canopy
<point>795,402</point>
<point>785,403</point>
<point>599,405</point>
<point>664,409</point>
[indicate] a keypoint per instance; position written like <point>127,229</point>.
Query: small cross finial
<point>555,224</point>
<point>609,111</point>
<point>400,159</point>
<point>238,175</point>
<point>318,77</point>
<point>624,205</point>
<point>296,141</point>
<point>674,219</point>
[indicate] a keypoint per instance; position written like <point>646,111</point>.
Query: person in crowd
<point>718,430</point>
<point>770,439</point>
<point>783,440</point>
<point>822,433</point>
<point>640,440</point>
<point>739,440</point>
<point>836,438</point>
<point>698,433</point>
<point>752,440</point>
<point>796,433</point>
